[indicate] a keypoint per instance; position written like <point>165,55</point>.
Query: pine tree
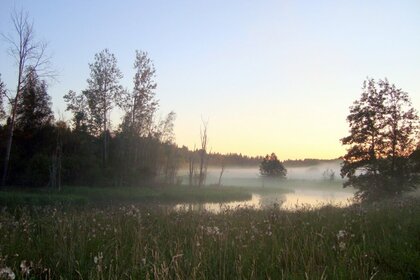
<point>34,106</point>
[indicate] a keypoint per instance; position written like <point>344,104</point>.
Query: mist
<point>250,176</point>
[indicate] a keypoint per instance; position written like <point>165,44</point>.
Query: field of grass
<point>142,242</point>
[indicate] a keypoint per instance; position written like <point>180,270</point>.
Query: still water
<point>300,199</point>
<point>304,188</point>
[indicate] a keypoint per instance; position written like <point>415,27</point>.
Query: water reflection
<point>294,200</point>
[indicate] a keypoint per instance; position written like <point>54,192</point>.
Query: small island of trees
<point>272,167</point>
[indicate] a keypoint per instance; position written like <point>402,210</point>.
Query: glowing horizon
<point>277,76</point>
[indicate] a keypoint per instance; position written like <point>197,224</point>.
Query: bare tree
<point>223,166</point>
<point>191,167</point>
<point>203,154</point>
<point>27,53</point>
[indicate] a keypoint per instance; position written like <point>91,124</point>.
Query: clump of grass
<point>136,242</point>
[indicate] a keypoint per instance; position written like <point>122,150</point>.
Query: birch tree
<point>140,104</point>
<point>104,92</point>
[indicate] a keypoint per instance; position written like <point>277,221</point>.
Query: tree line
<point>39,150</point>
<point>383,156</point>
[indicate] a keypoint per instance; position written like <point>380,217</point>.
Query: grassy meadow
<point>141,241</point>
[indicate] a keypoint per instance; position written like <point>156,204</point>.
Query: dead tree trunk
<point>221,173</point>
<point>203,154</point>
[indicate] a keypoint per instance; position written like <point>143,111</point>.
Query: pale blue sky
<point>271,76</point>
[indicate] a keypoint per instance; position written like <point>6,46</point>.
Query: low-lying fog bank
<point>249,176</point>
<point>309,186</point>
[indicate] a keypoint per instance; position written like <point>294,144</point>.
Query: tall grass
<point>131,242</point>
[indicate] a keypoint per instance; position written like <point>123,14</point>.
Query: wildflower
<point>25,267</point>
<point>213,230</point>
<point>342,245</point>
<point>98,261</point>
<point>341,234</point>
<point>7,273</point>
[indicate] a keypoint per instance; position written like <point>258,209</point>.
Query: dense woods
<point>85,152</point>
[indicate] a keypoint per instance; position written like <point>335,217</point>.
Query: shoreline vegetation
<point>155,194</point>
<point>140,241</point>
<point>83,195</point>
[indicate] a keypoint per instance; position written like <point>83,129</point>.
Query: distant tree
<point>383,126</point>
<point>272,167</point>
<point>203,155</point>
<point>140,104</point>
<point>34,106</point>
<point>165,129</point>
<point>26,52</point>
<point>328,175</point>
<point>104,93</point>
<point>77,104</point>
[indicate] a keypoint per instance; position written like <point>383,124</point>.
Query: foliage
<point>140,105</point>
<point>103,93</point>
<point>383,127</point>
<point>34,106</point>
<point>272,167</point>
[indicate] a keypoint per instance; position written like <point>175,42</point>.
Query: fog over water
<point>304,186</point>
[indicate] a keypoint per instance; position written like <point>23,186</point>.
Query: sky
<point>267,76</point>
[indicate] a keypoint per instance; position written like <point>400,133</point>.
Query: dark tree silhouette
<point>34,107</point>
<point>272,167</point>
<point>383,127</point>
<point>27,53</point>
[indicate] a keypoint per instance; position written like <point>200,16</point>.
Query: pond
<point>304,188</point>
